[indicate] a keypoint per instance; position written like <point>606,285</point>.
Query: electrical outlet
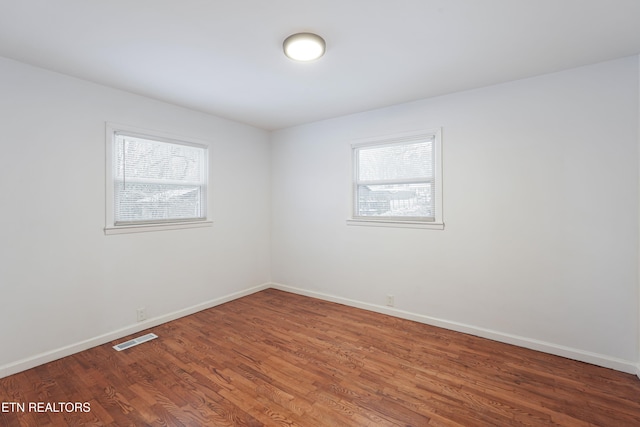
<point>390,300</point>
<point>141,314</point>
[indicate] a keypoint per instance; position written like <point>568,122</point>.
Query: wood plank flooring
<point>279,359</point>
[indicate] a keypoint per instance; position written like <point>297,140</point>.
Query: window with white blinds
<point>155,180</point>
<point>397,179</point>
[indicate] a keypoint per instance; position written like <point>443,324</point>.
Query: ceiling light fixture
<point>304,46</point>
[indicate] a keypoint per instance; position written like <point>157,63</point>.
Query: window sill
<point>396,224</point>
<point>141,228</point>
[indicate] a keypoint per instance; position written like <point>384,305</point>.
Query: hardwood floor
<point>279,359</point>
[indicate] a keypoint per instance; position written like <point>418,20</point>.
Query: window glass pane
<point>400,161</point>
<point>400,200</point>
<point>158,181</point>
<point>149,202</point>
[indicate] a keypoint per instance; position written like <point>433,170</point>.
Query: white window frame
<point>111,227</point>
<point>437,223</point>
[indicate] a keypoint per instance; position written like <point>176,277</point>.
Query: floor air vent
<point>135,341</point>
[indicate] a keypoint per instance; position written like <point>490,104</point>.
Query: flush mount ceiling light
<point>304,46</point>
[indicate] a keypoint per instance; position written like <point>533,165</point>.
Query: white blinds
<point>396,180</point>
<point>157,181</point>
<point>399,161</point>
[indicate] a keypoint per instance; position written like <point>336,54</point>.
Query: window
<point>154,181</point>
<point>397,181</point>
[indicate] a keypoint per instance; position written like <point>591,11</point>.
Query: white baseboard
<point>50,356</point>
<point>546,347</point>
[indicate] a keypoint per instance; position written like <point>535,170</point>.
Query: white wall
<point>540,245</point>
<point>62,281</point>
<point>638,313</point>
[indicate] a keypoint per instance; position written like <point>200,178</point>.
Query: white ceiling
<point>225,56</point>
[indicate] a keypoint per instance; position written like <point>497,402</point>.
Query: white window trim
<point>110,227</point>
<point>396,222</point>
